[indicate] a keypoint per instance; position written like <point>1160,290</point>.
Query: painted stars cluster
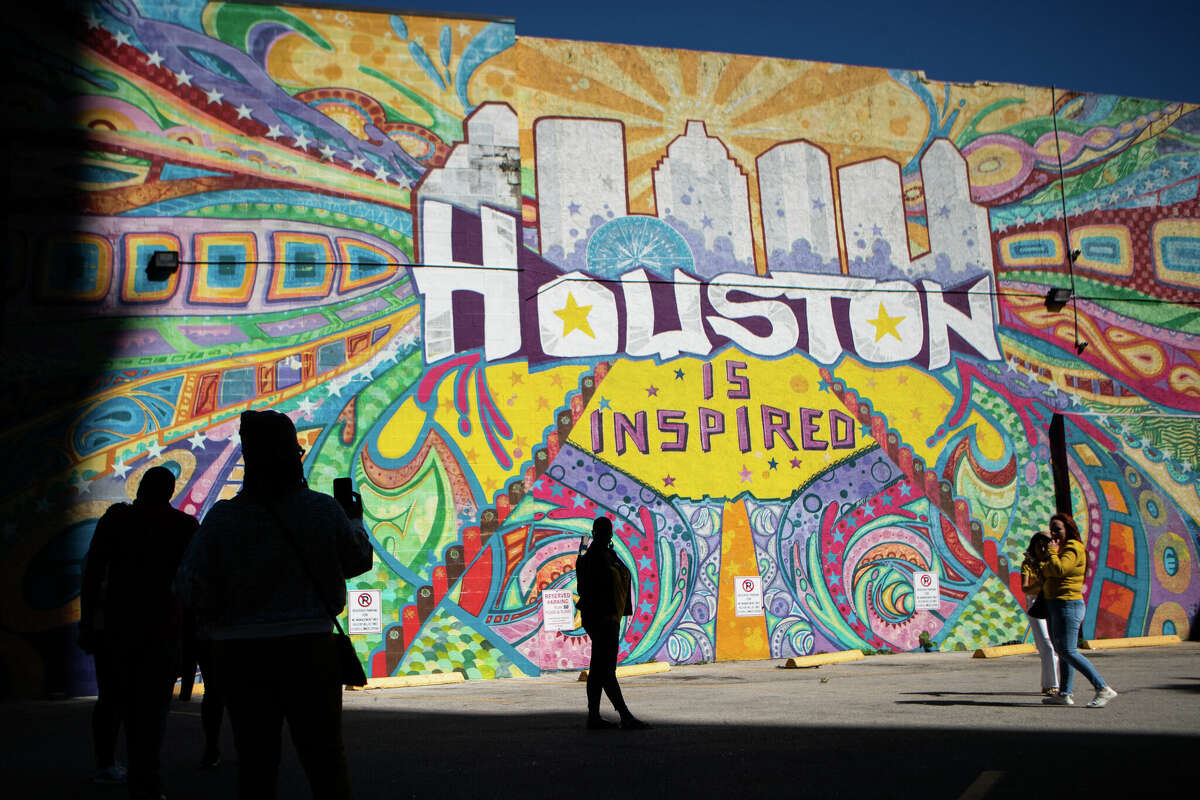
<point>181,82</point>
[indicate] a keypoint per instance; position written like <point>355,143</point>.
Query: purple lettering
<point>843,440</point>
<point>775,422</point>
<point>635,430</point>
<point>667,424</point>
<point>706,372</point>
<point>808,428</point>
<point>743,428</point>
<point>712,422</point>
<point>597,431</point>
<point>741,381</point>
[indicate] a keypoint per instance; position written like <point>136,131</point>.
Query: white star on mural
<point>182,78</point>
<point>197,440</point>
<point>155,449</point>
<point>357,162</point>
<point>122,37</point>
<point>214,96</point>
<point>335,386</point>
<point>154,59</point>
<point>274,132</point>
<point>236,438</point>
<point>302,142</point>
<point>81,485</point>
<point>306,407</point>
<point>93,21</point>
<point>119,469</point>
<point>381,174</point>
<point>326,153</point>
<point>243,111</point>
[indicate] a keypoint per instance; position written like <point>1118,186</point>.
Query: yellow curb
<point>1133,641</point>
<point>404,681</point>
<point>633,670</point>
<point>1002,650</point>
<point>817,659</point>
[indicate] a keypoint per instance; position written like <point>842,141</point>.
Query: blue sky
<point>1142,48</point>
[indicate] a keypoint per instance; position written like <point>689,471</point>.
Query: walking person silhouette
<point>131,563</point>
<point>605,595</point>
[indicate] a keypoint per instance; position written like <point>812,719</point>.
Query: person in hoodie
<point>263,575</point>
<point>1063,573</point>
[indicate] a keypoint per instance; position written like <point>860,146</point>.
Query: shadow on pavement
<point>401,754</point>
<point>992,703</point>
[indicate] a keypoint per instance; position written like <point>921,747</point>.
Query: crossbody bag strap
<point>287,535</point>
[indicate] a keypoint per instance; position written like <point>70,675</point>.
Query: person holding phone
<point>264,573</point>
<point>605,588</point>
<point>1031,584</point>
<point>1063,573</point>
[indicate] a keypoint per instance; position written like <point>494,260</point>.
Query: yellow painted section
<point>738,638</point>
<point>916,404</point>
<point>369,46</point>
<point>528,401</point>
<point>1086,455</point>
<point>637,387</point>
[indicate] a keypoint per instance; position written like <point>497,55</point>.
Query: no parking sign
<point>365,610</point>
<point>747,596</point>
<point>925,591</point>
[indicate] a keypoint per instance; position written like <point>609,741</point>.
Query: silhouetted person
<point>605,589</point>
<point>106,716</point>
<point>131,563</point>
<point>260,575</point>
<point>198,651</point>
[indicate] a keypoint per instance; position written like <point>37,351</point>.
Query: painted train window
<point>237,386</point>
<point>330,356</point>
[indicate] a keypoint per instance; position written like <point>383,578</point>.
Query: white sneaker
<point>1102,697</point>
<point>110,776</point>
<point>1058,700</point>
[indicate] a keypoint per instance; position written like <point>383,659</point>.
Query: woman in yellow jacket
<point>1063,588</point>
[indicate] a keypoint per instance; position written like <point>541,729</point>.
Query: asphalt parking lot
<point>909,725</point>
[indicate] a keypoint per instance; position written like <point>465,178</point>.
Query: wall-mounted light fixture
<point>1056,299</point>
<point>162,265</point>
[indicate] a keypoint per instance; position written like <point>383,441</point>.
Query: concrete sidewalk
<point>910,725</point>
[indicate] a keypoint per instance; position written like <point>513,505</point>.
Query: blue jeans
<point>1065,617</point>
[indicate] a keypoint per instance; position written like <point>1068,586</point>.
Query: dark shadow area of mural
<point>49,357</point>
<point>446,755</point>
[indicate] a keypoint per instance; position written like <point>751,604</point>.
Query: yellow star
<point>885,324</point>
<point>575,317</point>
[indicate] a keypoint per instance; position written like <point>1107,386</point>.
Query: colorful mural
<point>775,318</point>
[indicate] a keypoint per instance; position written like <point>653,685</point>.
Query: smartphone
<point>343,491</point>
